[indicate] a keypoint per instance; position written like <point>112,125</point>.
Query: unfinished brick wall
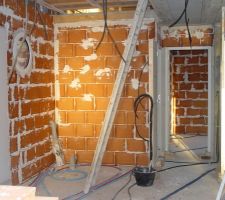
<point>178,36</point>
<point>31,99</point>
<point>190,91</point>
<point>84,85</point>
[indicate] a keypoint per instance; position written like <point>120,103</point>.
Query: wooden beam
<point>92,16</point>
<point>85,4</point>
<point>94,3</point>
<point>50,7</point>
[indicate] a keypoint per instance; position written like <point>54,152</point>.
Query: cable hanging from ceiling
<point>184,13</point>
<point>106,30</point>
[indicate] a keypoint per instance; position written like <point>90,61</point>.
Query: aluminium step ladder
<point>116,93</point>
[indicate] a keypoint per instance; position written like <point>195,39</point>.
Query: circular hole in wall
<point>22,53</point>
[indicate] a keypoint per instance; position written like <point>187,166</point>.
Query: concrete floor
<point>62,185</point>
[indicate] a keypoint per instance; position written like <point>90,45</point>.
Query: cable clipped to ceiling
<point>184,13</point>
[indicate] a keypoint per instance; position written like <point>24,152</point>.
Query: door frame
<point>163,99</point>
<point>5,176</point>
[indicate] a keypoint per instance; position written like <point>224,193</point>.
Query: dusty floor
<point>66,183</point>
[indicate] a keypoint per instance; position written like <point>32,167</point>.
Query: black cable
<point>187,165</point>
<point>136,104</point>
<point>188,149</point>
<point>180,162</point>
<point>181,138</point>
<point>173,167</point>
<point>124,186</point>
<point>182,14</point>
<point>128,190</point>
<point>188,184</point>
<point>140,76</point>
<point>43,23</point>
<point>105,25</point>
<point>35,19</point>
<point>106,29</point>
<point>187,23</point>
<point>139,81</point>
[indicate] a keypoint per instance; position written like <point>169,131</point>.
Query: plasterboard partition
<point>153,93</point>
<point>161,101</point>
<point>4,120</point>
<point>164,96</point>
<point>222,123</point>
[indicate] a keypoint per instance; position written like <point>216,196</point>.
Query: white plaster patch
<point>87,97</point>
<point>174,34</point>
<point>66,69</point>
<point>135,83</point>
<point>57,90</point>
<point>136,53</point>
<point>57,116</point>
<point>91,57</point>
<point>56,60</point>
<point>75,84</point>
<point>97,29</point>
<point>145,68</point>
<point>185,77</point>
<point>125,42</point>
<point>103,72</point>
<point>85,69</point>
<point>197,31</point>
<point>6,11</point>
<point>99,24</point>
<point>199,34</point>
<point>88,43</point>
<point>147,125</point>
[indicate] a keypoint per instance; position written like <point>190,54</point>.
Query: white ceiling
<point>198,11</point>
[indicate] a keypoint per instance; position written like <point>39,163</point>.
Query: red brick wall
<point>80,118</point>
<point>178,36</point>
<point>190,91</point>
<point>31,99</point>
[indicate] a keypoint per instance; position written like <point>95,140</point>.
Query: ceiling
<point>198,11</point>
<point>87,4</point>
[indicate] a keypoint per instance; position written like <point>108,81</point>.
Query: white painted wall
<point>4,118</point>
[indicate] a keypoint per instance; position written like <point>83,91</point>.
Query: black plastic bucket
<point>144,176</point>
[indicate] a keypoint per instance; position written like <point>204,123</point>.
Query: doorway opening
<point>189,98</point>
<point>186,98</point>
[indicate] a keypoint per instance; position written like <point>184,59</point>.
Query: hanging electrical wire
<point>42,22</point>
<point>137,102</point>
<point>184,13</point>
<point>187,23</point>
<point>106,30</point>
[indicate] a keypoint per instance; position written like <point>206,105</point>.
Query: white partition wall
<point>153,93</point>
<point>222,100</point>
<point>4,119</point>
